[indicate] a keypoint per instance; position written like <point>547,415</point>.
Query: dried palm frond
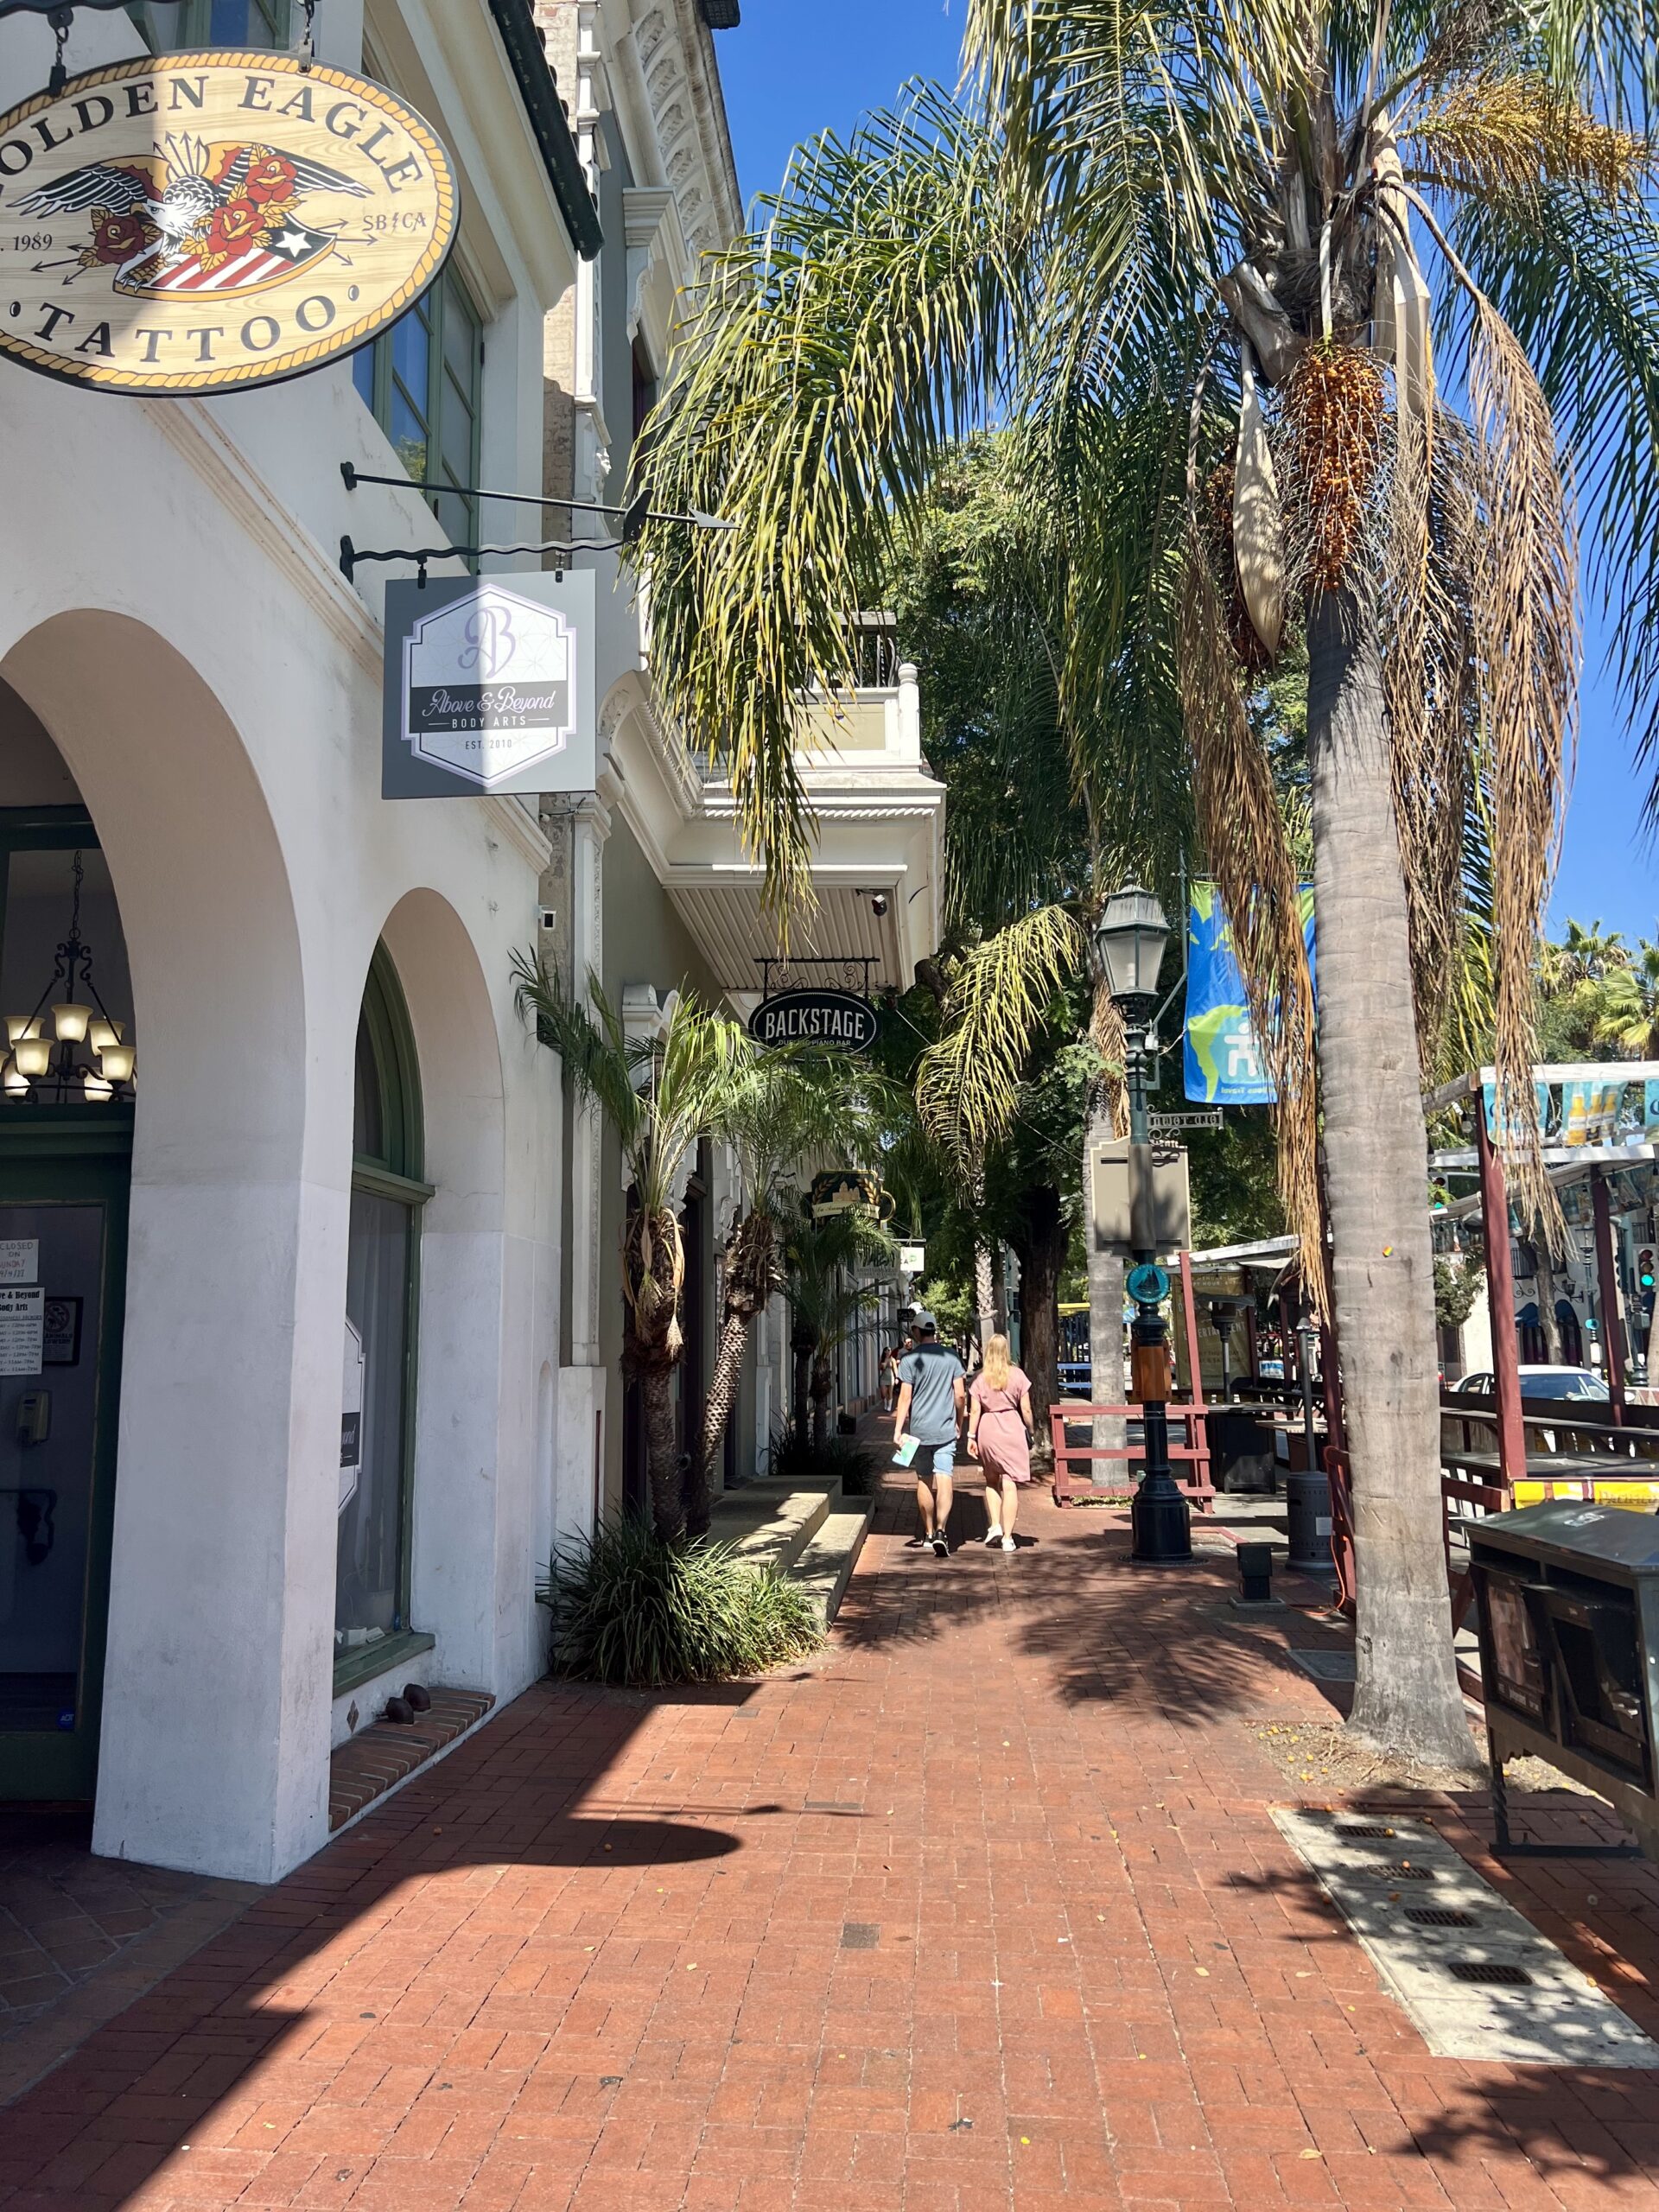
<point>1501,133</point>
<point>1244,838</point>
<point>1241,634</point>
<point>1106,1027</point>
<point>1526,633</point>
<point>1333,421</point>
<point>968,1083</point>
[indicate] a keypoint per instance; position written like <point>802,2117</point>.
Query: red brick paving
<point>599,1957</point>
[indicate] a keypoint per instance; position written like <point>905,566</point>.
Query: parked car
<point>1541,1382</point>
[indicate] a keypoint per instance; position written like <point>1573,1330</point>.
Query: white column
<point>585,1402</point>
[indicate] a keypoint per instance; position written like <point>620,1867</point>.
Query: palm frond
<point>829,355</point>
<point>1001,991</point>
<point>595,1053</point>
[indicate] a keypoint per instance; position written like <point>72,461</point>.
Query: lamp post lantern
<point>1129,942</point>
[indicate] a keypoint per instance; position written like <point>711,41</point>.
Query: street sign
<point>186,223</point>
<point>1146,1285</point>
<point>912,1259</point>
<point>1202,1117</point>
<point>1138,1199</point>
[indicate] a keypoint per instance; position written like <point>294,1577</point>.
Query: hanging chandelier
<point>58,1068</point>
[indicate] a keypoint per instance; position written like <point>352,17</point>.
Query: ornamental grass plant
<point>639,1612</point>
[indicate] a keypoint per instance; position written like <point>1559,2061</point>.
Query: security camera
<point>878,902</point>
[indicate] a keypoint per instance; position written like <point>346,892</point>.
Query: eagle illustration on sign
<point>197,218</point>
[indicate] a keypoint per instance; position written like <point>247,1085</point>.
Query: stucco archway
<point>228,1432</point>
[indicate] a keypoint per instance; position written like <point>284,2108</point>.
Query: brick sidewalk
<point>982,1909</point>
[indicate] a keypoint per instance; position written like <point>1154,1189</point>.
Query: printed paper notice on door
<point>22,1330</point>
<point>20,1259</point>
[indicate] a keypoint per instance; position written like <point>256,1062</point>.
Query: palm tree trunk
<point>984,1292</point>
<point>1105,1304</point>
<point>821,1387</point>
<point>1406,1699</point>
<point>1040,1243</point>
<point>662,1448</point>
<point>723,1385</point>
<point>801,1345</point>
<point>999,1286</point>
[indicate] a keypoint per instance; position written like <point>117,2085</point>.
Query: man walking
<point>932,1399</point>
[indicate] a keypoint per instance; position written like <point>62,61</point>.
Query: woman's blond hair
<point>998,1366</point>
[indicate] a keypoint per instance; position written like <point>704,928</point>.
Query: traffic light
<point>1645,1278</point>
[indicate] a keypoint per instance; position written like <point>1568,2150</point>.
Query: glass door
<point>63,1220</point>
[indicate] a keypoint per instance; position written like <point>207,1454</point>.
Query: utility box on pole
<point>1138,1199</point>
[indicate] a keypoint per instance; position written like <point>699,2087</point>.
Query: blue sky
<point>795,67</point>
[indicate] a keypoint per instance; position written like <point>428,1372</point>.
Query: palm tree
<point>660,1094</point>
<point>826,1301</point>
<point>1626,1003</point>
<point>1206,248</point>
<point>778,1111</point>
<point>1582,956</point>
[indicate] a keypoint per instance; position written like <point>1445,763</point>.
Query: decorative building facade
<point>287,1444</point>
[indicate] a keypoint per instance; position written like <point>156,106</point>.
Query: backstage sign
<point>189,223</point>
<point>489,686</point>
<point>838,1019</point>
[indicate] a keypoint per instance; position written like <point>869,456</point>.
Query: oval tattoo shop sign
<point>198,222</point>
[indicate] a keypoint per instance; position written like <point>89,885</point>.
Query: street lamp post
<point>1129,941</point>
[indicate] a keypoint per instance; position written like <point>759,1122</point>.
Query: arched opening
<point>66,1143</point>
<point>372,1575</point>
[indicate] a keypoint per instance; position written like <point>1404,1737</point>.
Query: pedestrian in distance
<point>999,1431</point>
<point>932,1399</point>
<point>889,1378</point>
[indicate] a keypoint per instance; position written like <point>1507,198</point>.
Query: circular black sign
<point>839,1019</point>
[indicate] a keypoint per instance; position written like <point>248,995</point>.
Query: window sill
<point>373,1659</point>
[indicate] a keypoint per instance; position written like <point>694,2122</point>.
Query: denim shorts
<point>944,1457</point>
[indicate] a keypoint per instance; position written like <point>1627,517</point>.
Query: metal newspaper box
<point>1568,1599</point>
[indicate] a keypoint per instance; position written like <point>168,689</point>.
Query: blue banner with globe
<point>1224,1062</point>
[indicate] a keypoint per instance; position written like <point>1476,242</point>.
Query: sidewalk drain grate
<point>830,1805</point>
<point>1506,1994</point>
<point>1374,1830</point>
<point>860,1935</point>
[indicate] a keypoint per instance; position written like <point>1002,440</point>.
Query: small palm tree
<point>1626,1003</point>
<point>826,1302</point>
<point>778,1111</point>
<point>660,1094</point>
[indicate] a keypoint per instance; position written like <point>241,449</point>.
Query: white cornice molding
<point>194,433</point>
<point>520,828</point>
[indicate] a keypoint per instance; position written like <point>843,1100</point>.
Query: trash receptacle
<point>1241,1451</point>
<point>1568,1599</point>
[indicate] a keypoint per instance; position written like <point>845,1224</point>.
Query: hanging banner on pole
<point>489,687</point>
<point>1224,1065</point>
<point>187,223</point>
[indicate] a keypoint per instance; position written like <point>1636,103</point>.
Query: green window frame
<point>383,1286</point>
<point>423,382</point>
<point>168,26</point>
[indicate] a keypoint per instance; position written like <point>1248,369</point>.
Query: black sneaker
<point>941,1550</point>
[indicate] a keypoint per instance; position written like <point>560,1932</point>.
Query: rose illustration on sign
<point>197,216</point>
<point>489,685</point>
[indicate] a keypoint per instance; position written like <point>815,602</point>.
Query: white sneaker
<point>993,1536</point>
<point>1008,1544</point>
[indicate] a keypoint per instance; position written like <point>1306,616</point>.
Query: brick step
<point>825,1567</point>
<point>385,1753</point>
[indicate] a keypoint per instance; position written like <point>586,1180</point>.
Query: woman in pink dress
<point>999,1437</point>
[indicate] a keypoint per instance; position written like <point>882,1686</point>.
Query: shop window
<point>168,25</point>
<point>382,1280</point>
<point>421,381</point>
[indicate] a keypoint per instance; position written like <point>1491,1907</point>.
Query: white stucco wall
<point>172,609</point>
